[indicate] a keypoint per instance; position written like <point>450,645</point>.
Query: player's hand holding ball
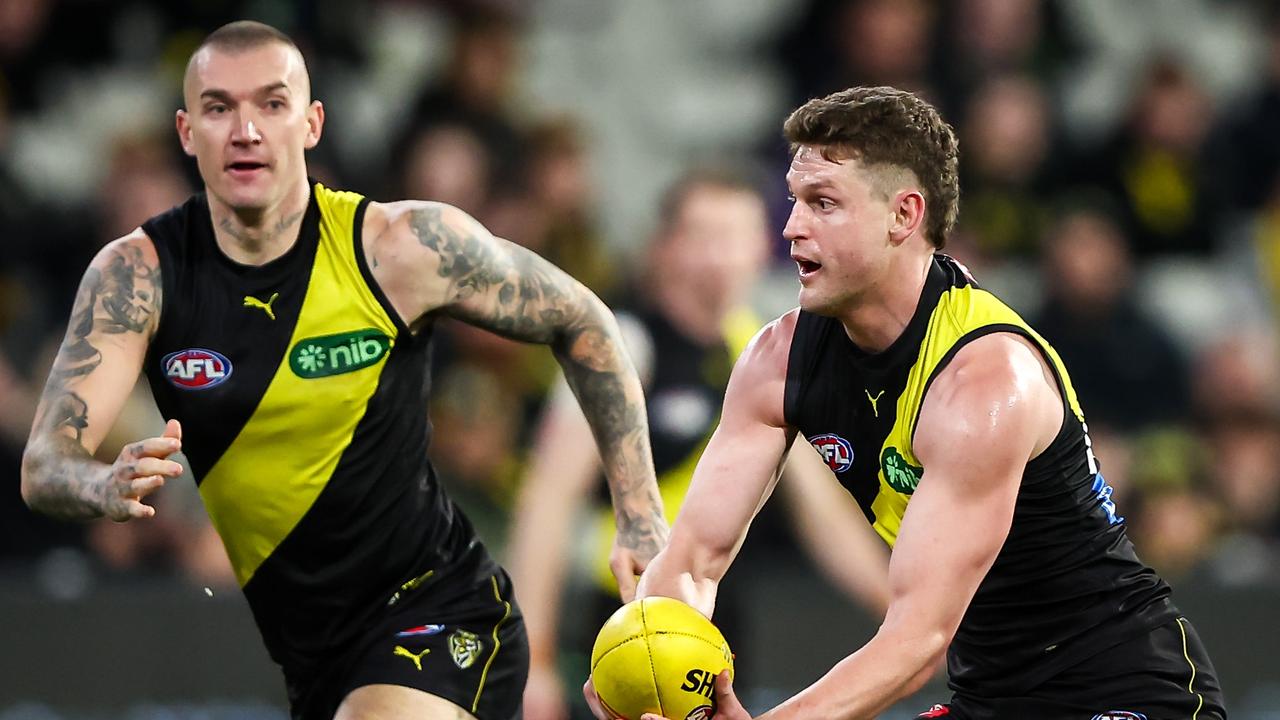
<point>660,657</point>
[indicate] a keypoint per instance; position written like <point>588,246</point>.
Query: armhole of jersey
<point>982,332</point>
<point>357,233</point>
<point>165,264</point>
<point>791,390</point>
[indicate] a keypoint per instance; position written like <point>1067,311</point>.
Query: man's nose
<point>247,132</point>
<point>795,227</point>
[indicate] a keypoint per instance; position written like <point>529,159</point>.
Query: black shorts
<point>1162,675</point>
<point>476,657</point>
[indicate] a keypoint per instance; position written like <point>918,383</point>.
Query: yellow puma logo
<point>251,301</point>
<point>874,401</point>
<point>417,659</point>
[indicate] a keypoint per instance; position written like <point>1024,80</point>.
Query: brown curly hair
<point>884,126</point>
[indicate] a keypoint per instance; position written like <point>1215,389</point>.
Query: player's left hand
<point>593,701</point>
<point>727,705</point>
<point>634,547</point>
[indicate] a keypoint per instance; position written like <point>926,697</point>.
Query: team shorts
<point>1164,674</point>
<point>476,657</point>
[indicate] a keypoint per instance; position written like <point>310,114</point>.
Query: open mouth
<point>807,267</point>
<point>245,166</point>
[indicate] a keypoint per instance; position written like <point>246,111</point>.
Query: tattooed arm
<point>434,260</point>
<point>114,316</point>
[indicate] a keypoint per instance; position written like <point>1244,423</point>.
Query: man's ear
<point>183,122</point>
<point>908,216</point>
<point>315,123</point>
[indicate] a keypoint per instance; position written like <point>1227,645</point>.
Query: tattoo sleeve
<point>505,288</point>
<point>118,296</point>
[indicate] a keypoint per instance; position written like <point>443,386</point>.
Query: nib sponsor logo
<point>317,357</point>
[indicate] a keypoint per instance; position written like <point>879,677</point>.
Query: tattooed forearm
<point>612,400</point>
<point>516,293</point>
<point>71,483</point>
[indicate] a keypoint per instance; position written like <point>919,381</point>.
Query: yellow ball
<point>659,655</point>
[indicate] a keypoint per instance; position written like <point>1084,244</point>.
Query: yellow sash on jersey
<point>961,314</point>
<point>284,456</point>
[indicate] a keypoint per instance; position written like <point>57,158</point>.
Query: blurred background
<point>1120,188</point>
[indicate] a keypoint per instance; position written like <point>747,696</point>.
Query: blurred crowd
<point>1120,187</point>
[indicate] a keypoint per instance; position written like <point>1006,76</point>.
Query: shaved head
<point>239,37</point>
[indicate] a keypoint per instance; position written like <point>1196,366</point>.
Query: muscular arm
<point>987,414</point>
<point>115,313</point>
<point>433,259</point>
<point>734,476</point>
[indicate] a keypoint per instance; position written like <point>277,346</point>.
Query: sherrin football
<point>658,655</point>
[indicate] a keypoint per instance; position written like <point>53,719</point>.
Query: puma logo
<point>874,401</point>
<point>417,659</point>
<point>251,301</point>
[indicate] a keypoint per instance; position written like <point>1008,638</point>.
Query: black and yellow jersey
<point>303,401</point>
<point>1066,583</point>
<point>685,387</point>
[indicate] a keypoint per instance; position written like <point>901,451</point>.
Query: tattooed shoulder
<point>467,257</point>
<point>124,282</point>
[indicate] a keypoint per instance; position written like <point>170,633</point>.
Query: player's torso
<point>1066,546</point>
<point>303,401</point>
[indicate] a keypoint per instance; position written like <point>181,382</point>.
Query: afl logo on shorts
<point>1119,715</point>
<point>196,368</point>
<point>835,450</point>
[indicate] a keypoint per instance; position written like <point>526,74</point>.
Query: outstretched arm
<point>433,259</point>
<point>558,483</point>
<point>734,476</point>
<point>115,314</point>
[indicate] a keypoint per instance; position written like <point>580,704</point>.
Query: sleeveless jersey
<point>303,401</point>
<point>683,397</point>
<point>1066,584</point>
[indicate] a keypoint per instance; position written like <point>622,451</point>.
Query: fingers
<point>153,466</point>
<point>173,429</point>
<point>593,701</point>
<point>131,510</point>
<point>159,447</point>
<point>624,570</point>
<point>727,705</point>
<point>144,486</point>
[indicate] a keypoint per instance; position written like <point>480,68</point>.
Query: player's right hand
<point>140,470</point>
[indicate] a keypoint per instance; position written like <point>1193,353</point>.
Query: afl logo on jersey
<point>835,450</point>
<point>196,368</point>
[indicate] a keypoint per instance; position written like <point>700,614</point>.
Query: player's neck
<point>884,313</point>
<point>259,235</point>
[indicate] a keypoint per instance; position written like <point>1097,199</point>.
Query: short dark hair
<point>240,36</point>
<point>245,35</point>
<point>884,126</point>
<point>719,177</point>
